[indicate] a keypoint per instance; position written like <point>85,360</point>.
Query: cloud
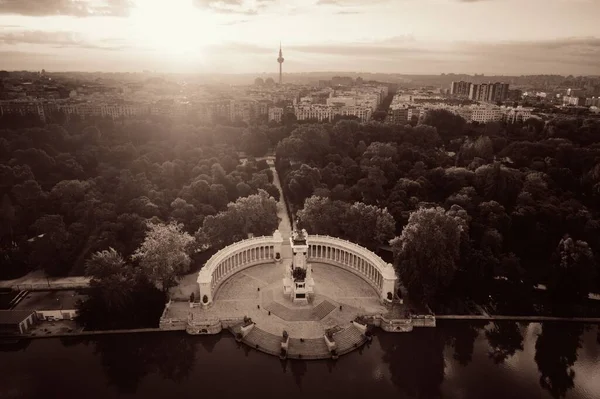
<point>579,50</point>
<point>567,56</point>
<point>362,50</point>
<point>59,39</point>
<point>229,48</point>
<point>76,8</point>
<point>245,7</point>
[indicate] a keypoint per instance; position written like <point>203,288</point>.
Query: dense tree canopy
<point>522,187</point>
<point>120,295</point>
<point>255,214</point>
<point>428,251</point>
<point>164,253</point>
<point>363,224</point>
<point>68,191</point>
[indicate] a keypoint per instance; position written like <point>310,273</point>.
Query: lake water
<point>455,360</point>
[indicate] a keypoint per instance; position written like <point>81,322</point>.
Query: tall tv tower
<point>280,61</point>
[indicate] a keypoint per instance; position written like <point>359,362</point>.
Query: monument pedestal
<point>297,281</point>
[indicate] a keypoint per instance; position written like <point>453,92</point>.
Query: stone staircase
<point>308,349</point>
<point>267,342</point>
<point>348,339</point>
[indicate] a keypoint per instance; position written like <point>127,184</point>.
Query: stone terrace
<point>240,296</point>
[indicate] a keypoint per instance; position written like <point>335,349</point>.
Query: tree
<point>113,279</point>
<point>369,225</point>
<point>323,216</point>
<point>427,253</point>
<point>120,295</point>
<point>448,125</point>
<point>29,195</point>
<point>7,218</point>
<point>555,354</point>
<point>302,182</point>
<point>505,339</point>
<point>164,254</point>
<point>255,142</point>
<point>255,214</point>
<point>573,271</point>
<point>499,183</point>
<point>379,115</point>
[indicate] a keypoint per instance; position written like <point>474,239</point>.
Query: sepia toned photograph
<point>300,199</point>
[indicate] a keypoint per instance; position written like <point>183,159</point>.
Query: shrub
<point>389,296</point>
<point>205,299</point>
<point>277,256</point>
<point>285,335</point>
<point>192,297</point>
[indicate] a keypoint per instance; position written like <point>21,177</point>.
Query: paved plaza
<point>240,296</point>
<point>257,292</point>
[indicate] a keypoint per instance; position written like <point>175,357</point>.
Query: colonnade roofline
<point>386,269</point>
<point>206,272</point>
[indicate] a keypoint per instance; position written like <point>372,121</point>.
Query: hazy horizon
<point>424,37</point>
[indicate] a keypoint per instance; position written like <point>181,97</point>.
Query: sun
<point>173,28</point>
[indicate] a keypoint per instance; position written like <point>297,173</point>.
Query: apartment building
<point>489,92</point>
<point>275,114</point>
<point>398,116</point>
<point>319,112</point>
<point>460,89</point>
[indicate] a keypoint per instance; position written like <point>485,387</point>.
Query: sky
<point>509,37</point>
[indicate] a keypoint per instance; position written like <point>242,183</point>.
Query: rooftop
<point>49,300</point>
<point>13,316</point>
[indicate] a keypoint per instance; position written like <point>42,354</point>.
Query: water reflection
<point>461,336</point>
<point>127,359</point>
<point>456,360</point>
<point>555,354</point>
<point>298,368</point>
<point>505,339</point>
<point>416,361</point>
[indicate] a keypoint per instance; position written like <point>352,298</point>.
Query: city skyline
<point>242,36</point>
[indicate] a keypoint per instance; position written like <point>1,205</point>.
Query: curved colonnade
<point>355,259</point>
<point>234,258</point>
<point>259,250</point>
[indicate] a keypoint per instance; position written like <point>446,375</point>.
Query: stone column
<point>389,282</point>
<point>204,285</point>
<point>277,242</point>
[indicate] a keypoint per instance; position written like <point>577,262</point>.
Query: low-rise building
<point>275,114</point>
<point>570,100</point>
<point>518,114</point>
<point>16,322</point>
<point>50,305</point>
